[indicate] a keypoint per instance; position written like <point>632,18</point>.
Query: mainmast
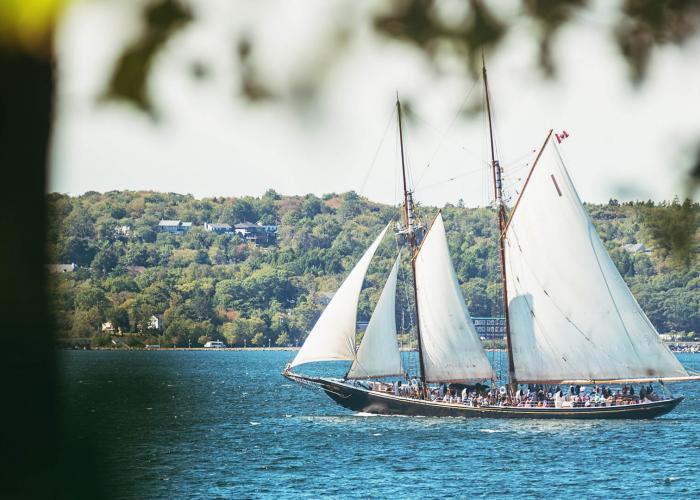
<point>410,221</point>
<point>501,211</point>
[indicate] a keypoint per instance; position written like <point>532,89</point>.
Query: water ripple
<point>227,425</point>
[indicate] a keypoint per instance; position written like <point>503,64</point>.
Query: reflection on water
<point>227,424</point>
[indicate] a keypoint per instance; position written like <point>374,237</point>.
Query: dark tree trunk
<point>28,362</point>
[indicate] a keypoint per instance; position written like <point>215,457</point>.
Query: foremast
<point>502,222</point>
<point>410,231</point>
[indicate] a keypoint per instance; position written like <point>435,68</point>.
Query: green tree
<point>86,322</point>
<point>283,340</point>
<point>259,339</point>
<point>243,330</point>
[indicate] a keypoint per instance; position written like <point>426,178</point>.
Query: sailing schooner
<point>570,318</point>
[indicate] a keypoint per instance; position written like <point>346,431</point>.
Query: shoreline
<point>683,347</point>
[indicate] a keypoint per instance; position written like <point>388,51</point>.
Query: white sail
<point>572,317</point>
<point>452,350</point>
<point>333,335</point>
<point>378,354</point>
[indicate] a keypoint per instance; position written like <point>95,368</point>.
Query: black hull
<point>361,400</point>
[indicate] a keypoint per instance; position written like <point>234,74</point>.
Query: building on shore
<point>218,228</point>
<point>174,226</point>
<point>61,268</point>
<point>156,322</point>
<point>259,234</point>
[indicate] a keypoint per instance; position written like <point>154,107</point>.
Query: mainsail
<point>333,335</point>
<point>572,317</point>
<point>452,350</point>
<point>378,354</point>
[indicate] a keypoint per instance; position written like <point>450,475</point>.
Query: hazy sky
<point>625,142</point>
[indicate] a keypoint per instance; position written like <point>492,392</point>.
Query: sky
<point>625,142</point>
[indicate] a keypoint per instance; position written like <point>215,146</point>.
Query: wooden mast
<point>500,209</point>
<point>409,219</point>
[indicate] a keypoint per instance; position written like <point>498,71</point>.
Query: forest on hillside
<point>208,286</point>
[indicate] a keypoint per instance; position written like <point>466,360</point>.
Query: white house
<point>61,268</point>
<point>218,228</point>
<point>247,230</point>
<point>635,248</point>
<point>174,226</point>
<point>156,322</point>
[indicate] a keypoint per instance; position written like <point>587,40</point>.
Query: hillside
<point>203,285</point>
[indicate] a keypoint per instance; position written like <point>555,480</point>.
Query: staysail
<point>452,350</point>
<point>572,317</point>
<point>333,335</point>
<point>378,354</point>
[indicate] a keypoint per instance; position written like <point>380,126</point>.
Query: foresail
<point>452,350</point>
<point>572,316</point>
<point>333,335</point>
<point>378,355</point>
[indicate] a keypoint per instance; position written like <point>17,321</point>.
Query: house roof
<point>219,225</point>
<point>245,225</point>
<point>169,223</point>
<point>634,247</point>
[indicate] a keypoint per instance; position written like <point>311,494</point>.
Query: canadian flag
<point>561,136</point>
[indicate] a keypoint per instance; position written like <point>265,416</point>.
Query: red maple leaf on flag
<point>561,136</point>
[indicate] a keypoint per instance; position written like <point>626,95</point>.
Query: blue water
<point>194,424</point>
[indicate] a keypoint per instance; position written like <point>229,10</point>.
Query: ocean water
<point>225,424</point>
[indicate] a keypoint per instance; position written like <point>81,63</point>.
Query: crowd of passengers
<point>532,395</point>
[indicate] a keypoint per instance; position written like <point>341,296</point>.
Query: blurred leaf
<point>251,86</point>
<point>129,79</point>
<point>647,23</point>
<point>551,15</point>
<point>28,24</point>
<point>199,70</point>
<point>416,22</point>
<point>673,229</point>
<point>694,174</point>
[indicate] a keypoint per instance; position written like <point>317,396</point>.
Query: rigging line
<point>520,158</point>
<point>514,169</point>
<point>458,176</point>
<point>527,179</point>
<point>444,134</point>
<point>404,288</point>
<point>494,120</point>
<point>376,153</point>
<point>490,112</point>
<point>406,157</point>
<point>396,333</point>
<point>398,187</point>
<point>487,188</point>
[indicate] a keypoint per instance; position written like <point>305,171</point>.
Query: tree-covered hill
<point>223,286</point>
